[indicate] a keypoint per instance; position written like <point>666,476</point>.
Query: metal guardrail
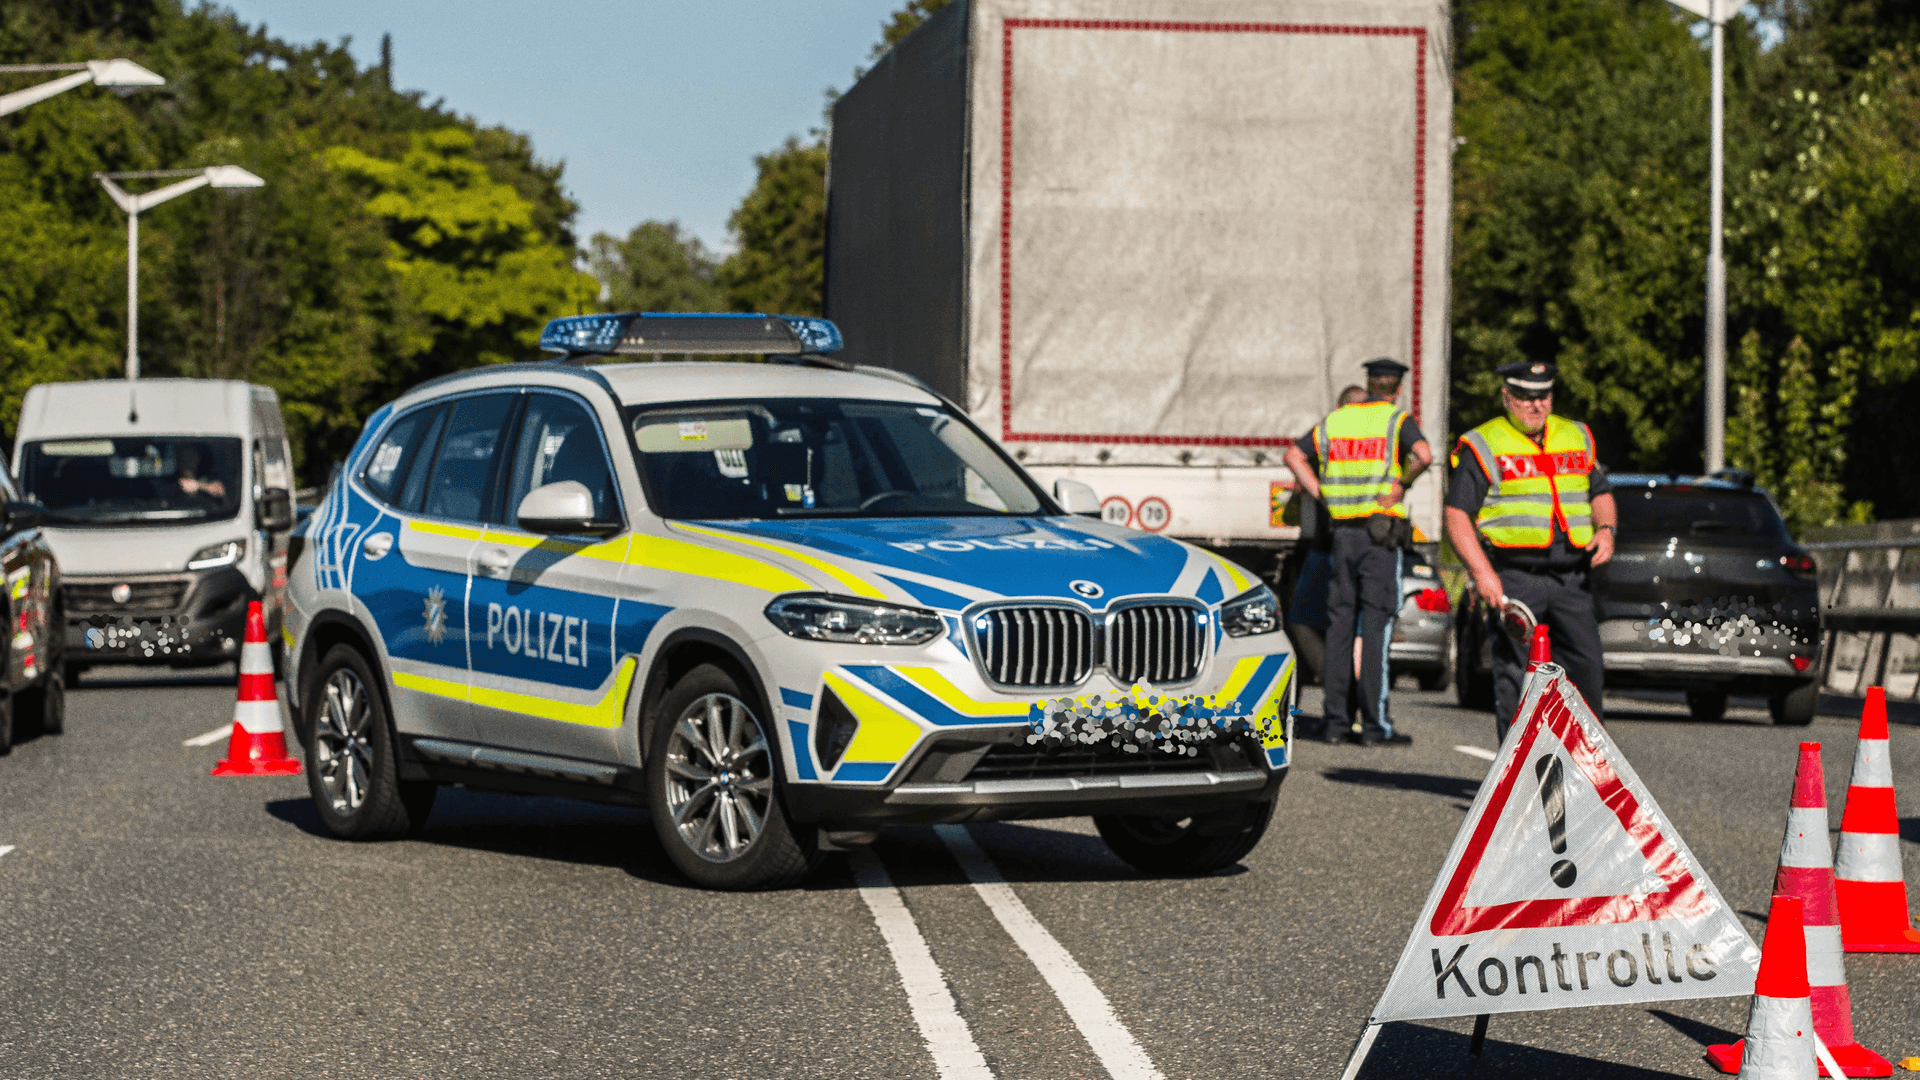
<point>1870,608</point>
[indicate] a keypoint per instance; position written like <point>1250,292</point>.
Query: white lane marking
<point>210,737</point>
<point>1112,1043</point>
<point>4,848</point>
<point>1476,751</point>
<point>955,1055</point>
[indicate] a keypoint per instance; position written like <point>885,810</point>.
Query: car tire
<point>6,723</point>
<point>1199,844</point>
<point>1707,706</point>
<point>352,769</point>
<point>45,706</point>
<point>1472,688</point>
<point>720,810</point>
<point>1795,707</point>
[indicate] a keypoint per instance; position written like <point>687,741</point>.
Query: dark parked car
<point>1706,593</point>
<point>32,692</point>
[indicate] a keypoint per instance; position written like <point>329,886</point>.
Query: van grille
<point>1161,644</point>
<point>1035,646</point>
<point>88,598</point>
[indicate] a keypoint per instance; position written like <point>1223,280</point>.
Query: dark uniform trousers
<point>1363,598</point>
<point>1562,601</point>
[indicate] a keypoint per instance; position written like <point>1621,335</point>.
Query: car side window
<point>463,465</point>
<point>420,462</point>
<point>387,468</point>
<point>559,439</point>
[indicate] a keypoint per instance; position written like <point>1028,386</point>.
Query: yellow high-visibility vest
<point>1533,486</point>
<point>1357,462</point>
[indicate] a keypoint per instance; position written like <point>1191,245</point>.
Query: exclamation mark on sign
<point>1553,796</point>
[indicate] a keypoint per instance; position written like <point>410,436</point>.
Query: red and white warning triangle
<point>1566,886</point>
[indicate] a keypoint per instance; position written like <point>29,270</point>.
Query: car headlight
<point>225,553</point>
<point>1255,611</point>
<point>819,617</point>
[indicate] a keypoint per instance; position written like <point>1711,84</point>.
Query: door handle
<point>496,562</point>
<point>375,547</point>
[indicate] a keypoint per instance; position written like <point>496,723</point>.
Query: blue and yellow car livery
<point>1003,660</point>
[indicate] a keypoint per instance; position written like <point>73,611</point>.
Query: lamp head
<point>232,176</point>
<point>122,75</point>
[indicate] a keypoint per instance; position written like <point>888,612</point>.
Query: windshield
<point>822,458</point>
<point>138,481</point>
<point>1665,511</point>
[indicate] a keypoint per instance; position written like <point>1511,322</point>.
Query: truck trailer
<point>1146,243</point>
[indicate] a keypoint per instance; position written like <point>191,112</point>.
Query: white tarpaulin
<point>1566,886</point>
<point>1193,220</point>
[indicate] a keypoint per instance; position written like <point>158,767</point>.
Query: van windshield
<point>133,481</point>
<point>786,458</point>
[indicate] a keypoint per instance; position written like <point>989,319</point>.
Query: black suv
<point>1705,593</point>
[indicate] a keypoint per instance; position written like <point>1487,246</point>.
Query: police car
<point>780,604</point>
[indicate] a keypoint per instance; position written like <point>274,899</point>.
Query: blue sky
<point>656,108</point>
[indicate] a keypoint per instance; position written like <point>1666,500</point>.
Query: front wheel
<point>45,706</point>
<point>352,769</point>
<point>1199,844</point>
<point>1795,707</point>
<point>713,786</point>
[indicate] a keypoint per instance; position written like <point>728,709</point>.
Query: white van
<point>168,504</point>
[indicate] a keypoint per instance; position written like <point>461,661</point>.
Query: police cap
<point>1529,378</point>
<point>1385,368</point>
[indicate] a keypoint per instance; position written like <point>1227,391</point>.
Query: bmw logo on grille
<point>122,593</point>
<point>1086,588</point>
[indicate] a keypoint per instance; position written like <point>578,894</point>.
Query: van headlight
<point>820,617</point>
<point>225,553</point>
<point>1255,611</point>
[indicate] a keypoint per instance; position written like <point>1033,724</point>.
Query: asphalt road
<point>155,921</point>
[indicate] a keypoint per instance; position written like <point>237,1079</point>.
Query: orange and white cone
<point>1806,874</point>
<point>258,745</point>
<point>1780,1040</point>
<point>1872,885</point>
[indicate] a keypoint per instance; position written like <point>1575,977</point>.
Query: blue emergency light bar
<point>710,333</point>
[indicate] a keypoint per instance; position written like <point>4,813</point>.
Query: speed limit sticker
<point>1115,510</point>
<point>1153,514</point>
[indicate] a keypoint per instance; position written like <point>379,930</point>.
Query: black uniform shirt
<point>1468,491</point>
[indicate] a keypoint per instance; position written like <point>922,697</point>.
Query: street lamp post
<point>1716,12</point>
<point>114,74</point>
<point>218,176</point>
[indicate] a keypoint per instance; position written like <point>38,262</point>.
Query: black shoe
<point>1334,736</point>
<point>1398,738</point>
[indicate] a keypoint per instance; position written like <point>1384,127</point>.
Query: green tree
<point>477,279</point>
<point>781,235</point>
<point>655,268</point>
<point>1580,215</point>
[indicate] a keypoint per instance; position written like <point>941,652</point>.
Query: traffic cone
<point>1541,651</point>
<point>258,745</point>
<point>1779,1042</point>
<point>1872,884</point>
<point>1806,874</point>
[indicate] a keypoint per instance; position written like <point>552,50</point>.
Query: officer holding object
<point>1530,512</point>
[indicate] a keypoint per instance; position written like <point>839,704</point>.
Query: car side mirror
<point>563,507</point>
<point>274,510</point>
<point>21,516</point>
<point>1076,498</point>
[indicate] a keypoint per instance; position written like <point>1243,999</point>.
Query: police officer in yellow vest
<point>1530,512</point>
<point>1359,461</point>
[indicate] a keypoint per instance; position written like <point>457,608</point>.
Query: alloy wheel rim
<point>343,744</point>
<point>719,778</point>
